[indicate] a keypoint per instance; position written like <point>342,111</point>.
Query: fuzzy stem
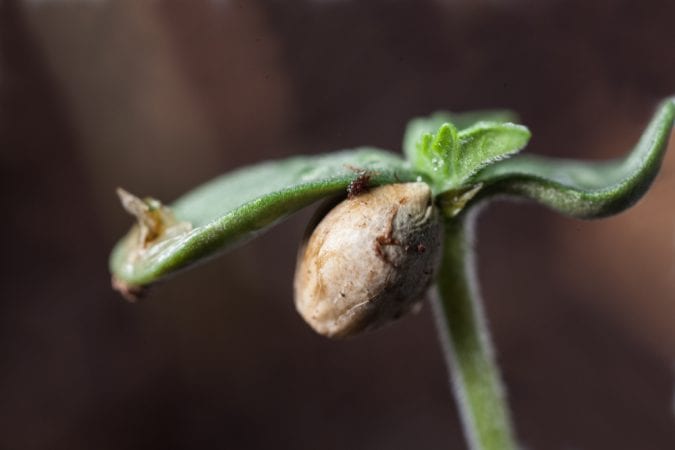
<point>474,375</point>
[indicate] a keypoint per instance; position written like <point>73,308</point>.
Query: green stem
<point>461,323</point>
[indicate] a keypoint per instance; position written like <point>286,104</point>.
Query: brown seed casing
<point>369,260</point>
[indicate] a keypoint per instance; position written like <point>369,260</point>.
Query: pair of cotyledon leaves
<point>454,153</point>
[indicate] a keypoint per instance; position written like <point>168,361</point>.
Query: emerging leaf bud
<point>370,260</point>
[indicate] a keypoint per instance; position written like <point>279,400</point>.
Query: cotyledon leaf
<point>239,205</point>
<point>584,189</point>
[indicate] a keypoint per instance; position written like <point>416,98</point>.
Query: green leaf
<point>486,143</point>
<point>435,153</point>
<point>236,207</point>
<point>584,189</point>
<point>423,125</point>
<point>450,158</point>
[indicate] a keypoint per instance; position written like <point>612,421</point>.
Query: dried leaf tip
<point>155,221</point>
<point>130,292</point>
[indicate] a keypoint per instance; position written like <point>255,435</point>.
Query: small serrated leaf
<point>237,206</point>
<point>450,157</point>
<point>442,151</point>
<point>436,153</point>
<point>487,142</point>
<point>430,124</point>
<point>584,189</point>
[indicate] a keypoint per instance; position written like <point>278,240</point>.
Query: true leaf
<point>434,153</point>
<point>450,158</point>
<point>419,126</point>
<point>486,143</point>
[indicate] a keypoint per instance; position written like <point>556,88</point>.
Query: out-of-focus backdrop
<point>158,96</point>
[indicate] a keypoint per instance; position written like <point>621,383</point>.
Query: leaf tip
<point>155,220</point>
<point>131,293</point>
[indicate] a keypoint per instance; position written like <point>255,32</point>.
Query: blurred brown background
<point>158,96</point>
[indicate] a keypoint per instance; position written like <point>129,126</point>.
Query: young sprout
<point>373,256</point>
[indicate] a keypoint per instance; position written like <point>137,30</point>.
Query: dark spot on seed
<point>358,185</point>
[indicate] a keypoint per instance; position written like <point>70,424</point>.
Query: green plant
<point>466,159</point>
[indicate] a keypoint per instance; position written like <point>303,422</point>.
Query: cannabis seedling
<point>416,231</point>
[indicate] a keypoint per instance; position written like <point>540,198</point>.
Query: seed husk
<point>369,260</point>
